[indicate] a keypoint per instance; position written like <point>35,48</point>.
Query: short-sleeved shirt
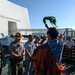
<point>16,47</point>
<point>69,43</point>
<point>30,47</point>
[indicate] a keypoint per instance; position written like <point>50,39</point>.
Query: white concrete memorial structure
<point>12,17</point>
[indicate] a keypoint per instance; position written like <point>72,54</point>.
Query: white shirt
<point>69,43</point>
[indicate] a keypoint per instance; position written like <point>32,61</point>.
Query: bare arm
<point>16,55</point>
<point>46,26</point>
<point>28,53</point>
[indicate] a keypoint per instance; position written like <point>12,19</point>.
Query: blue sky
<point>63,10</point>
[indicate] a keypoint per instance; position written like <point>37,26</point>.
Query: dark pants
<point>28,67</point>
<point>0,71</point>
<point>69,53</point>
<point>16,68</point>
<point>0,66</point>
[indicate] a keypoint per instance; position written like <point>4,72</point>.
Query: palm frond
<point>52,20</point>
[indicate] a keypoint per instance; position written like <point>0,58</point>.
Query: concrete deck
<point>69,68</point>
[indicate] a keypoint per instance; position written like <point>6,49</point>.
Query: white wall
<point>12,12</point>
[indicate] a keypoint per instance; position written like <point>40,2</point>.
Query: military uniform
<point>16,64</point>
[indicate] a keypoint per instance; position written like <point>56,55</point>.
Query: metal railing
<point>64,31</point>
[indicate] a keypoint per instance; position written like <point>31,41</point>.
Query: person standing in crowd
<point>60,37</point>
<point>43,39</point>
<point>46,57</point>
<point>69,43</point>
<point>29,47</point>
<point>2,58</point>
<point>16,49</point>
<point>36,42</point>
